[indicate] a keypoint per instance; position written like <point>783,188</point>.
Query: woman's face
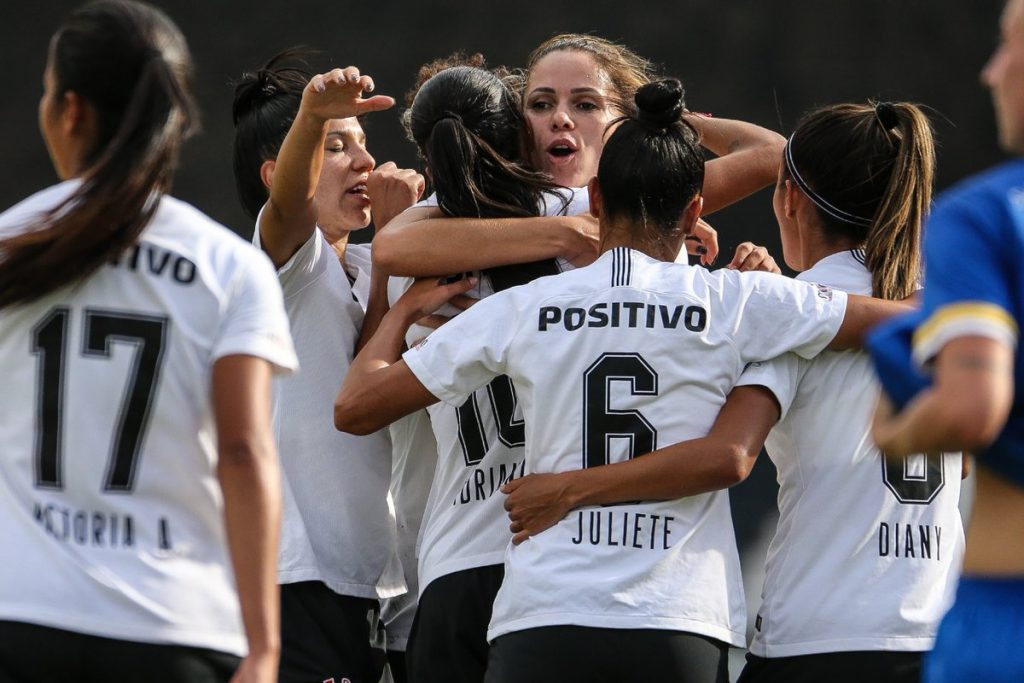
<point>568,110</point>
<point>342,201</point>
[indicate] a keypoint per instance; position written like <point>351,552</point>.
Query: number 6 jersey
<point>110,513</point>
<point>610,362</point>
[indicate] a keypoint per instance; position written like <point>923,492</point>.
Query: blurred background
<point>766,62</point>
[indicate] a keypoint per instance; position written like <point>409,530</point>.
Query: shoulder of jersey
<point>21,214</point>
<point>980,192</point>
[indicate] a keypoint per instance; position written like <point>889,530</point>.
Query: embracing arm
<point>250,482</point>
<point>748,159</point>
<point>290,215</point>
<point>863,313</point>
<point>423,242</point>
<point>964,409</point>
<point>721,459</point>
<point>379,387</point>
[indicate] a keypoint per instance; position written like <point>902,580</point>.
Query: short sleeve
<point>968,275</point>
<point>776,315</point>
<point>780,375</point>
<point>467,352</point>
<point>254,322</point>
<point>304,266</point>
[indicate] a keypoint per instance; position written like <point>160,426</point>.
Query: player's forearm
<point>376,308</point>
<point>250,483</point>
<point>863,313</point>
<point>434,246</point>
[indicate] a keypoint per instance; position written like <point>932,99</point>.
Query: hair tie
<point>887,115</point>
<point>818,200</point>
<point>447,114</point>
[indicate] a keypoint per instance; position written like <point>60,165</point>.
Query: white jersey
<point>336,526</point>
<point>609,362</point>
<point>867,551</point>
<point>480,447</point>
<point>110,511</point>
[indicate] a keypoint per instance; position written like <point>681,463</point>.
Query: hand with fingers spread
<point>337,94</point>
<point>392,190</point>
<point>750,257</point>
<point>536,502</point>
<point>703,242</point>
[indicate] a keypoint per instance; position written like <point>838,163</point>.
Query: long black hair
<point>652,166</point>
<point>468,126</point>
<point>265,105</point>
<point>131,64</point>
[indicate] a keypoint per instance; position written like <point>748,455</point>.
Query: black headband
<point>819,201</point>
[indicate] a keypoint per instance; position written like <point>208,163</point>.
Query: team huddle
<point>493,444</point>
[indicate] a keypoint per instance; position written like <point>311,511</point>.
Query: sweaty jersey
<point>111,516</point>
<point>867,551</point>
<point>974,286</point>
<point>336,526</point>
<point>610,362</point>
<point>480,446</point>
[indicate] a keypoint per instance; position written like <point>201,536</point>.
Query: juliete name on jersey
<point>626,529</point>
<point>95,529</point>
<point>624,314</point>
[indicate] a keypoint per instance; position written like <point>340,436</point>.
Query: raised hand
<point>337,94</point>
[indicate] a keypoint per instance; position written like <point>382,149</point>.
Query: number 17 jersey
<point>610,362</point>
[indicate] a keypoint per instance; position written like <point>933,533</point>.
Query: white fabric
<point>149,563</point>
<point>666,565</point>
<point>840,573</point>
<point>336,525</point>
<point>465,524</point>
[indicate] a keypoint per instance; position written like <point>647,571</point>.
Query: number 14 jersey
<point>610,362</point>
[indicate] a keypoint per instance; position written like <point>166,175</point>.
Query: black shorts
<point>580,654</point>
<point>31,653</point>
<point>325,635</point>
<point>876,666</point>
<point>448,641</point>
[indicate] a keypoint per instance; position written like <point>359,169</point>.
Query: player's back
<point>109,494</point>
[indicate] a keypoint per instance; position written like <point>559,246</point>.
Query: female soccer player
<point>965,339</point>
<point>575,85</point>
<point>137,342</point>
<point>644,591</point>
<point>302,167</point>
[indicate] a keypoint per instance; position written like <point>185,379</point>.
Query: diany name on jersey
<point>910,541</point>
<point>95,529</point>
<point>624,314</point>
<point>149,258</point>
<point>484,482</point>
<point>623,529</point>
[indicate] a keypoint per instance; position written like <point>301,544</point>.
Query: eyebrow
<point>342,133</point>
<point>574,91</point>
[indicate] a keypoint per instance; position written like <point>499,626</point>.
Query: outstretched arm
<point>721,459</point>
<point>863,313</point>
<point>748,159</point>
<point>290,215</point>
<point>964,409</point>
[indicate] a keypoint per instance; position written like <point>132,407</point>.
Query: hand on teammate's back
<point>535,502</point>
<point>750,257</point>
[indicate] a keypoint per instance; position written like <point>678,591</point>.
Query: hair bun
<point>660,104</point>
<point>887,115</point>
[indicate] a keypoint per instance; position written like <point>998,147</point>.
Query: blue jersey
<point>974,285</point>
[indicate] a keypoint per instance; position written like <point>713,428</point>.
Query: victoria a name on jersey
<point>97,529</point>
<point>623,314</point>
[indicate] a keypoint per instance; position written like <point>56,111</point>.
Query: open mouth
<point>561,151</point>
<point>359,190</point>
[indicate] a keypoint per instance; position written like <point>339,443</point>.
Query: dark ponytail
<point>869,170</point>
<point>265,105</point>
<point>130,63</point>
<point>652,167</point>
<point>468,127</point>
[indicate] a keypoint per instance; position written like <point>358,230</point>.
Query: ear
<point>596,200</point>
<point>77,116</point>
<point>267,172</point>
<point>691,213</point>
<point>791,197</point>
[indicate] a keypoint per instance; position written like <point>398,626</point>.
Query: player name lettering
<point>918,541</point>
<point>160,262</point>
<point>94,528</point>
<point>623,314</point>
<point>623,529</point>
<point>483,482</point>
